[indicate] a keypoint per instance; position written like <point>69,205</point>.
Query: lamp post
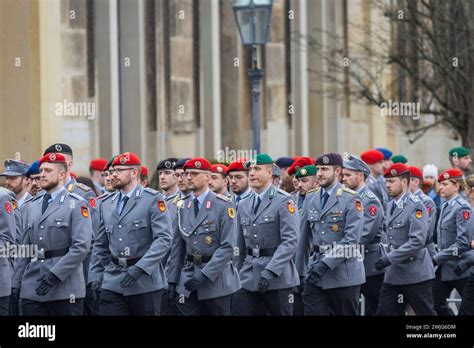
<point>253,20</point>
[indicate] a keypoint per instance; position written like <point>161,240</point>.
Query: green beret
<point>261,158</point>
<point>306,171</point>
<point>459,152</point>
<point>109,163</point>
<point>399,159</point>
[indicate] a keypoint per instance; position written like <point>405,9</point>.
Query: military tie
<point>237,200</point>
<point>46,199</point>
<point>324,199</point>
<point>124,203</point>
<point>257,204</point>
<point>196,206</point>
<point>393,208</point>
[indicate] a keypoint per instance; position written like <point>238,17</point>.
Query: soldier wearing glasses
<point>202,277</point>
<point>134,237</point>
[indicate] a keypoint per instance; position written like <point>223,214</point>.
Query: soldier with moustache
<point>331,225</point>
<point>408,267</point>
<point>202,277</point>
<point>59,223</point>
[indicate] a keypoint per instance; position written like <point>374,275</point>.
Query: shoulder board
<point>461,201</point>
<point>414,199</point>
<point>104,195</point>
<point>112,194</point>
<point>29,199</point>
<point>185,197</point>
<point>313,190</point>
<point>83,187</point>
<point>170,198</point>
<point>76,196</point>
<point>348,190</point>
<point>175,199</point>
<point>370,194</point>
<point>224,198</point>
<point>150,190</point>
<point>284,193</point>
<point>36,197</point>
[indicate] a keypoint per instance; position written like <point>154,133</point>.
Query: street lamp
<point>253,20</point>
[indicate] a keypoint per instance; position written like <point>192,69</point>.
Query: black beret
<point>58,148</point>
<point>284,162</point>
<point>329,159</point>
<point>168,163</point>
<point>180,163</point>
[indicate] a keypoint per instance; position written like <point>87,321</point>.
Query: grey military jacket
<point>274,226</point>
<point>211,234</point>
<point>336,230</point>
<point>431,210</point>
<point>377,186</point>
<point>453,237</point>
<point>7,238</point>
<point>142,231</point>
<point>372,232</point>
<point>66,223</point>
<point>407,230</point>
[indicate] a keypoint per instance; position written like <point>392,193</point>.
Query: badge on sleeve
<point>161,206</point>
<point>85,212</point>
<point>92,202</point>
<point>373,210</point>
<point>8,207</point>
<point>419,214</point>
<point>466,215</point>
<point>14,205</point>
<point>428,210</point>
<point>231,212</point>
<point>358,206</point>
<point>291,206</point>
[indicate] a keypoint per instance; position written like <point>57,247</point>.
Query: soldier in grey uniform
<point>416,179</point>
<point>219,182</point>
<point>408,278</point>
<point>375,182</point>
<point>239,181</point>
<point>135,233</point>
<point>453,239</point>
<point>201,275</point>
<point>59,223</point>
<point>331,226</point>
<point>7,237</point>
<point>268,238</point>
<point>354,173</point>
<point>88,194</point>
<point>181,177</point>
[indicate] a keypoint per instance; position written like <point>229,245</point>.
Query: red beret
<point>53,158</point>
<point>197,163</point>
<point>395,170</point>
<point>98,164</point>
<point>372,156</point>
<point>300,163</point>
<point>126,159</point>
<point>219,169</point>
<point>451,173</point>
<point>415,172</point>
<point>237,166</point>
<point>144,170</point>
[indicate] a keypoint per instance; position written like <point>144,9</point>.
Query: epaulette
<point>83,187</point>
<point>461,201</point>
<point>104,195</point>
<point>37,197</point>
<point>224,198</point>
<point>76,196</point>
<point>150,190</point>
<point>171,198</point>
<point>175,199</point>
<point>414,199</point>
<point>348,190</point>
<point>284,193</point>
<point>313,190</point>
<point>370,194</point>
